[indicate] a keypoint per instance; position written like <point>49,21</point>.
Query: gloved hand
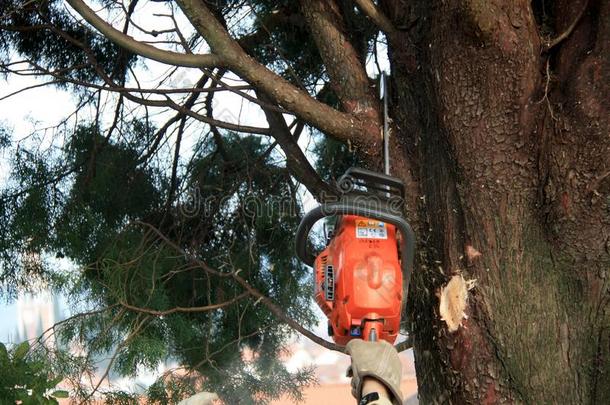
<point>378,360</point>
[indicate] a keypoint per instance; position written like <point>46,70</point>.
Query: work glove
<point>378,360</point>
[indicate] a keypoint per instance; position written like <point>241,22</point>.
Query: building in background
<point>36,313</point>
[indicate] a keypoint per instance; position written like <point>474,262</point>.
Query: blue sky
<point>8,321</point>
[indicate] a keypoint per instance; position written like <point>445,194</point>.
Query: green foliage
<point>51,49</point>
<point>244,219</point>
<point>121,398</point>
<point>245,223</point>
<point>334,158</point>
<point>5,137</point>
<point>44,210</point>
<point>26,378</point>
<point>288,46</point>
<point>108,189</point>
<point>145,233</point>
<point>170,390</point>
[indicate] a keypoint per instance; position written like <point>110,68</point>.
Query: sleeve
<point>381,401</point>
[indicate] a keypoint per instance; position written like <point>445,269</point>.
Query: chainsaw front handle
<point>331,209</point>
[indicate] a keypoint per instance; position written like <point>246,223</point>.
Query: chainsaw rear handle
<point>330,209</point>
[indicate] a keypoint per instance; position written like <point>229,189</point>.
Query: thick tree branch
<point>330,121</point>
<point>348,76</point>
<point>372,11</point>
<point>296,161</point>
<point>347,73</point>
<point>142,49</point>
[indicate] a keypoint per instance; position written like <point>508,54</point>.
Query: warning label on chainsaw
<point>371,230</point>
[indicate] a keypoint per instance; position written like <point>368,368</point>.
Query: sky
<point>21,113</point>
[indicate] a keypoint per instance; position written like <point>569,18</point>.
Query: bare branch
<point>158,103</point>
<point>273,307</point>
<point>564,35</point>
<point>221,124</point>
<point>279,312</point>
<point>34,86</point>
<point>173,182</point>
<point>209,108</point>
<point>142,49</point>
<point>58,74</point>
<point>173,310</point>
<point>44,337</point>
<point>234,89</point>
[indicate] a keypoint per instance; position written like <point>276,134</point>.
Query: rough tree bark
<point>513,161</point>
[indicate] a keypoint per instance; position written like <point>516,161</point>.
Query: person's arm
<point>375,371</point>
<point>370,385</point>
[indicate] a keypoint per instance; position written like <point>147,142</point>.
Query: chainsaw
<point>362,276</point>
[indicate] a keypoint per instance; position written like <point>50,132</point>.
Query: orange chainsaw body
<point>359,282</point>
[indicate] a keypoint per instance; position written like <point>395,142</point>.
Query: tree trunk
<point>507,133</point>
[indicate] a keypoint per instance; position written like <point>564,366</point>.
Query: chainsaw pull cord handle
<point>331,209</point>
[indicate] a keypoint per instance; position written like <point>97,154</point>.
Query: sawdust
<point>453,300</point>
